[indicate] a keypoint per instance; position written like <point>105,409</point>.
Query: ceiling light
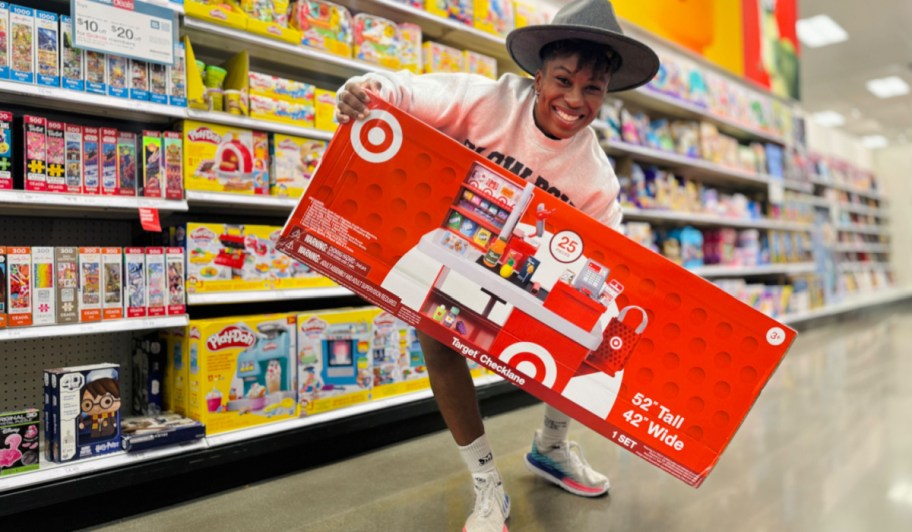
<point>820,31</point>
<point>888,87</point>
<point>829,118</point>
<point>874,142</point>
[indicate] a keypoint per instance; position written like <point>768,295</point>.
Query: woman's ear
<point>538,81</point>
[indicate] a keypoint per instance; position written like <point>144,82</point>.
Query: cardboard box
<point>72,59</point>
<point>139,80</point>
<point>66,271</point>
<point>110,178</point>
<point>153,164</point>
<point>19,286</point>
<point>90,279</point>
<point>220,159</point>
<point>47,49</point>
<point>165,429</point>
<point>156,282</point>
<point>607,331</point>
<point>85,402</point>
<point>3,288</point>
<point>56,157</point>
<point>112,283</point>
<point>397,360</point>
<point>177,281</point>
<point>135,282</point>
<point>149,354</point>
<point>4,41</point>
<point>494,16</point>
<point>323,25</point>
<point>117,78</point>
<point>96,72</point>
<point>6,150</point>
<point>483,65</point>
<point>44,305</point>
<point>177,77</point>
<point>438,57</point>
<point>35,153</point>
<point>242,371</point>
<point>325,110</point>
<point>127,167</point>
<point>22,44</point>
<point>173,145</point>
<point>91,160</point>
<point>177,370</point>
<point>19,431</point>
<point>158,83</point>
<point>294,161</point>
<point>72,139</point>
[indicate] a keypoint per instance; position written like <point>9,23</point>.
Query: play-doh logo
<point>314,327</point>
<point>195,333</point>
<point>231,336</point>
<point>204,134</point>
<point>288,144</point>
<point>202,234</point>
<point>385,321</point>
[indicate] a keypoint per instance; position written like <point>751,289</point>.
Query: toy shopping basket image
<point>619,342</point>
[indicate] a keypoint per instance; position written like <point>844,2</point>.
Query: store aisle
<point>828,447</point>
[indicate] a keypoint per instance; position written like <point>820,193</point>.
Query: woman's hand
<point>352,100</point>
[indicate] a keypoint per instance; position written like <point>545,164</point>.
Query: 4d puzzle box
<point>637,348</point>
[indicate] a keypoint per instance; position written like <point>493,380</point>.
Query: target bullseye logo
<point>377,138</point>
<point>532,360</point>
<point>616,343</point>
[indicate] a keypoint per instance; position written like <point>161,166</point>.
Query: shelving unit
<point>745,271</point>
<point>633,213</point>
<point>223,298</point>
<point>39,203</point>
<point>99,327</point>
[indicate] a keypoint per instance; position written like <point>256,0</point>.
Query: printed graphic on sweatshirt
<point>520,169</point>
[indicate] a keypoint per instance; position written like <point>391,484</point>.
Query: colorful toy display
<point>6,150</point>
<point>613,367</point>
<point>377,40</point>
<point>222,159</point>
<point>294,161</point>
<point>480,64</point>
<point>441,58</point>
<point>19,439</point>
<point>4,41</point>
<point>152,431</point>
<point>3,288</point>
<point>323,25</point>
<point>459,10</point>
<point>22,44</point>
<point>494,16</point>
<point>410,47</point>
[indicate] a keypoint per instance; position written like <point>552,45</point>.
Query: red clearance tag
<point>148,217</point>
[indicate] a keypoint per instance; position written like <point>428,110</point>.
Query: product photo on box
<point>508,275</point>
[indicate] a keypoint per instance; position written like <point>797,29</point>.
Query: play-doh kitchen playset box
<point>651,356</point>
<point>241,371</point>
<point>225,159</point>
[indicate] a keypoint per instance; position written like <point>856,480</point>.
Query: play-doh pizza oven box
<point>651,356</point>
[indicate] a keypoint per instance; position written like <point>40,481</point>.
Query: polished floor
<point>827,447</point>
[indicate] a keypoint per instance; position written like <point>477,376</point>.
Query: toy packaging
<point>441,58</point>
<point>153,164</point>
<point>325,110</point>
<point>22,45</point>
<point>160,430</point>
<point>110,181</point>
<point>227,257</point>
<point>6,150</point>
<point>66,272</point>
<point>3,288</point>
<point>135,282</point>
<point>95,72</point>
<point>218,158</point>
<point>460,10</point>
<point>242,371</point>
<point>148,373</point>
<point>397,361</point>
<point>44,304</point>
<point>47,51</point>
<point>376,40</point>
<point>85,409</point>
<point>90,279</point>
<point>35,153</point>
<point>19,434</point>
<point>513,278</point>
<point>177,77</point>
<point>528,14</point>
<point>173,146</point>
<point>156,282</point>
<point>294,160</point>
<point>112,283</point>
<point>117,76</point>
<point>158,83</point>
<point>91,160</point>
<point>483,65</point>
<point>176,302</point>
<point>139,80</point>
<point>4,41</point>
<point>72,138</point>
<point>19,286</point>
<point>334,359</point>
<point>323,25</point>
<point>410,47</point>
<point>72,59</point>
<point>177,370</point>
<point>494,16</point>
<point>56,157</point>
<point>126,163</point>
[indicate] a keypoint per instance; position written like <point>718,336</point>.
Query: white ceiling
<point>880,44</point>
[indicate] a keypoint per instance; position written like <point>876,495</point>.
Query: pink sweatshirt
<point>494,118</point>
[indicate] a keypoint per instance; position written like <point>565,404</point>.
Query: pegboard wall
<point>30,231</point>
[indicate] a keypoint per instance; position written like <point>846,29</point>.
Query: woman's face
<point>569,96</point>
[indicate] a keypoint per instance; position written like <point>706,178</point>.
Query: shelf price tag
<point>130,28</point>
<point>148,218</point>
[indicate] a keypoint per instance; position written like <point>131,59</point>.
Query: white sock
<point>478,456</point>
<point>554,428</point>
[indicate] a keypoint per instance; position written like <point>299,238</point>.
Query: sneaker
<point>565,465</point>
<point>492,505</point>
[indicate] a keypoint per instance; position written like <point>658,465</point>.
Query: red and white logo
<point>377,138</point>
<point>202,234</point>
<point>532,360</point>
<point>231,336</point>
<point>204,134</point>
<point>314,327</point>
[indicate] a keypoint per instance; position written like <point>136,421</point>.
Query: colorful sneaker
<point>492,505</point>
<point>565,465</point>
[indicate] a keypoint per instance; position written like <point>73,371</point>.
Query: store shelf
<point>228,119</point>
<point>632,213</point>
<point>744,271</point>
<point>21,203</point>
<point>863,266</point>
<point>862,248</point>
<point>696,169</point>
<point>861,209</point>
<point>219,298</point>
<point>98,327</point>
<point>177,8</point>
<point>95,105</point>
<point>800,186</point>
<point>863,228</point>
<point>880,297</point>
<point>222,41</point>
<point>247,203</point>
<point>873,194</point>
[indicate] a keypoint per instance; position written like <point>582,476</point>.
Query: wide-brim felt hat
<point>590,20</point>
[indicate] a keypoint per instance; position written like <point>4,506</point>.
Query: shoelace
<point>484,497</point>
<point>575,452</point>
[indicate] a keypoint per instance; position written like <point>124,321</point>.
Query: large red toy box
<point>635,347</point>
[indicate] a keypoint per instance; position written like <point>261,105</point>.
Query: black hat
<point>590,20</point>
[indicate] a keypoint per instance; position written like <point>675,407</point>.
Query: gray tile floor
<point>827,447</point>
